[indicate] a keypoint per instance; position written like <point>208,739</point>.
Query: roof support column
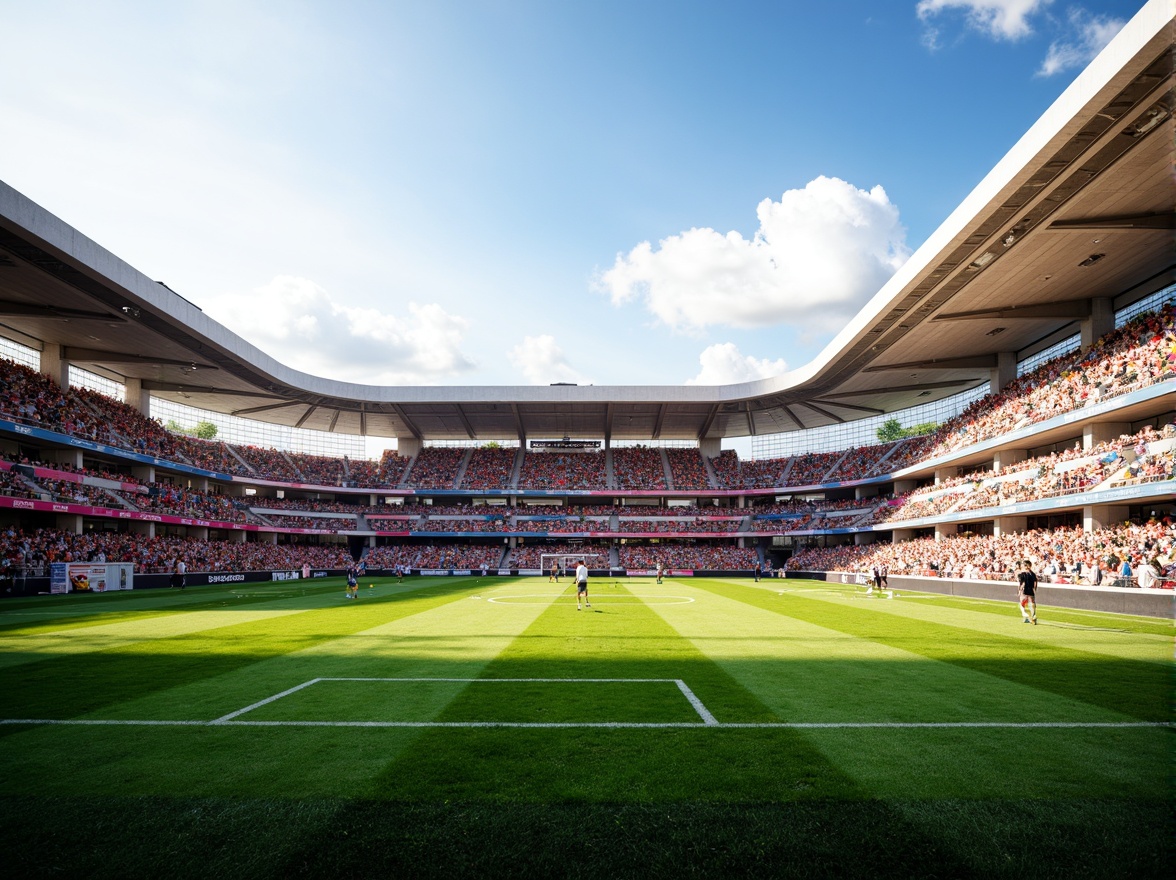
<point>1004,372</point>
<point>53,366</point>
<point>1008,525</point>
<point>1103,432</point>
<point>1102,516</point>
<point>1005,457</point>
<point>1100,323</point>
<point>69,456</point>
<point>137,397</point>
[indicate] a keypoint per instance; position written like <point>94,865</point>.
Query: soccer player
<point>1027,590</point>
<point>582,584</point>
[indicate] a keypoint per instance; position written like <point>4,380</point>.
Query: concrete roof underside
<point>1010,270</point>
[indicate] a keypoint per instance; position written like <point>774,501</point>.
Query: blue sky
<point>500,193</point>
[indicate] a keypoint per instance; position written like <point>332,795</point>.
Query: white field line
<point>718,725</point>
<point>260,703</point>
<point>703,711</point>
<point>708,720</point>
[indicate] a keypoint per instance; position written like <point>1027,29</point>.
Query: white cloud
<point>1086,36</point>
<point>542,361</point>
<point>818,255</point>
<point>998,19</point>
<point>298,323</point>
<point>724,364</point>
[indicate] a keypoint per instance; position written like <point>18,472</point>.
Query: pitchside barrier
<point>32,586</point>
<point>1118,600</point>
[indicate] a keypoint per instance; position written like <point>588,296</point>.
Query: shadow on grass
<point>1136,688</point>
<point>142,837</point>
<point>76,684</point>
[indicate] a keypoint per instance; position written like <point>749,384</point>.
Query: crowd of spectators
<point>269,464</point>
<point>212,455</point>
<point>16,486</point>
<point>703,557</point>
<point>1139,353</point>
<point>32,551</point>
<point>464,524</point>
<point>32,398</point>
<point>563,470</point>
<point>459,556</point>
<point>391,469</point>
<point>316,505</point>
<point>176,501</point>
<point>810,468</point>
<point>687,469</point>
<point>638,467</point>
<point>1061,472</point>
<point>319,470</point>
<point>391,556</point>
<point>127,427</point>
<point>865,461</point>
<point>489,467</point>
<point>435,467</point>
<point>317,523</point>
<point>1069,554</point>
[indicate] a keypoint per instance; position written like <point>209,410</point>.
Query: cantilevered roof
<point>1080,210</point>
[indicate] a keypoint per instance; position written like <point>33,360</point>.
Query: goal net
<point>566,562</point>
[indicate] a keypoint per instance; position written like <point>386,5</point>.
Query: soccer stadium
<point>810,660</point>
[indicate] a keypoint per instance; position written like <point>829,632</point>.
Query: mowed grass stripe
<point>1113,635</point>
<point>26,647</point>
<point>453,640</point>
<point>70,686</point>
<point>1135,688</point>
<point>806,672</point>
<point>263,838</point>
<point>49,614</point>
<point>447,630</point>
<point>610,641</point>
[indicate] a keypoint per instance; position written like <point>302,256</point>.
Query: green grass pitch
<point>484,727</point>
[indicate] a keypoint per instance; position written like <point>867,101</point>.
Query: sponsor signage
<point>91,577</point>
<point>565,444</point>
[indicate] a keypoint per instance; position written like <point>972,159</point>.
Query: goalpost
<point>565,563</point>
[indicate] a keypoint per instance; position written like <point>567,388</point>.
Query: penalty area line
<point>225,718</point>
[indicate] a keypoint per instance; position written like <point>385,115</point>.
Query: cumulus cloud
<point>724,364</point>
<point>998,19</point>
<point>298,323</point>
<point>1086,35</point>
<point>818,255</point>
<point>542,361</point>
